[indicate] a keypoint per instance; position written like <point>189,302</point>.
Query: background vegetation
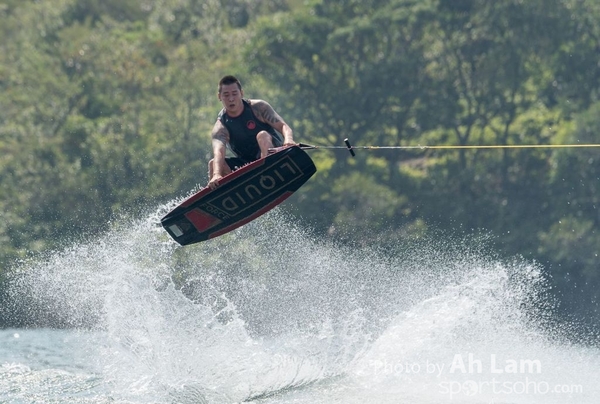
<point>107,105</point>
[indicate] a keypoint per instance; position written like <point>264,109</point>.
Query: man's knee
<point>264,136</point>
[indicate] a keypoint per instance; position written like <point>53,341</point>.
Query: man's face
<point>231,98</point>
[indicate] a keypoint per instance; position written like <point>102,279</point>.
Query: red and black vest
<point>243,130</point>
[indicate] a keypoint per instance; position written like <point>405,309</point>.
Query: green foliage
<point>575,178</point>
<point>364,203</point>
<point>570,248</point>
<point>95,10</point>
<point>106,107</point>
<point>573,243</point>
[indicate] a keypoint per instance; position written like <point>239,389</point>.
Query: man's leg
<point>264,142</point>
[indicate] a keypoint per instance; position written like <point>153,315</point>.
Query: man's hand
<point>214,181</point>
<point>285,145</point>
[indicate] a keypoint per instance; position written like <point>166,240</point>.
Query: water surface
<point>249,318</point>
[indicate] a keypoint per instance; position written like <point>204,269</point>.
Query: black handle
<point>349,147</point>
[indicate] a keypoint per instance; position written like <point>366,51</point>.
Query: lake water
<point>238,319</point>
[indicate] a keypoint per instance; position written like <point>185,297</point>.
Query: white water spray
<point>268,313</point>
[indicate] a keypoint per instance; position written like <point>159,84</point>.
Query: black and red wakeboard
<point>242,196</point>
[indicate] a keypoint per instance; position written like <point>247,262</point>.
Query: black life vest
<point>243,130</point>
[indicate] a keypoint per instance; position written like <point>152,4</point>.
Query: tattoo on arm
<point>220,134</point>
<point>266,113</point>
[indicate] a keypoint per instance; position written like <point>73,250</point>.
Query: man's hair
<point>229,80</point>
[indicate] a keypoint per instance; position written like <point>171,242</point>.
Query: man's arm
<point>220,138</point>
<point>265,112</point>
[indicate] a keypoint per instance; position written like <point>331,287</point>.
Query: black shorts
<point>238,162</point>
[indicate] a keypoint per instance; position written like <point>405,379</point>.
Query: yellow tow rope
<point>351,148</point>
